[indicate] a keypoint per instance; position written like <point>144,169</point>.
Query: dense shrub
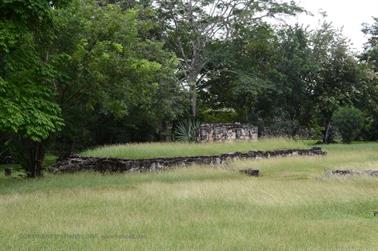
<point>219,116</point>
<point>349,121</point>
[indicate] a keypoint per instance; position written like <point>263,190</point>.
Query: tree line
<point>78,73</point>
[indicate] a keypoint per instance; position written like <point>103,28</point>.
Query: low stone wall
<point>353,172</point>
<point>77,163</point>
<point>226,132</point>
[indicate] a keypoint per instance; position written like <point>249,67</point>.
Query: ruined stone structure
<point>104,165</point>
<point>226,132</point>
<point>352,172</point>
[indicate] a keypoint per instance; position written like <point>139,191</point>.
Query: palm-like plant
<point>187,130</point>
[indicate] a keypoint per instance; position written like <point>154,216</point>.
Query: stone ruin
<point>352,172</point>
<point>109,165</point>
<point>221,132</point>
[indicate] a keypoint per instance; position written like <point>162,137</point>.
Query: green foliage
<point>291,74</point>
<point>27,110</point>
<point>337,73</point>
<point>349,122</point>
<point>26,94</point>
<point>114,72</point>
<point>186,130</point>
<point>368,98</point>
<point>29,113</point>
<point>335,77</point>
<point>218,116</point>
<point>97,46</point>
<point>241,69</point>
<point>370,54</point>
<point>192,28</point>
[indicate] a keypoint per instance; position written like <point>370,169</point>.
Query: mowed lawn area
<point>292,206</point>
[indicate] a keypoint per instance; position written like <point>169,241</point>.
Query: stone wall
<point>301,133</point>
<point>352,172</point>
<point>77,163</point>
<point>226,132</point>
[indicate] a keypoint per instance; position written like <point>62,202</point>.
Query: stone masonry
<point>105,165</point>
<point>226,132</point>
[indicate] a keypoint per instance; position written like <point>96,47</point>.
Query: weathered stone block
<point>226,132</point>
<point>352,172</point>
<point>250,172</point>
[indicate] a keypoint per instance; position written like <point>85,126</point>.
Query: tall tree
<point>111,69</point>
<point>192,25</point>
<point>370,53</point>
<point>335,79</point>
<point>368,100</point>
<point>240,71</point>
<point>264,74</point>
<point>294,67</point>
<point>28,112</point>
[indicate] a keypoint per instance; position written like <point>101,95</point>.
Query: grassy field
<point>155,150</point>
<point>293,206</point>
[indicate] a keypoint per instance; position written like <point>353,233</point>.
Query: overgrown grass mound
<point>157,150</point>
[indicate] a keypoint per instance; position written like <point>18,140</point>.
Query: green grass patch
<point>292,206</point>
<point>157,150</point>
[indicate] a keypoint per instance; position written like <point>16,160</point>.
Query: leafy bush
<point>187,130</point>
<point>219,116</point>
<point>349,121</point>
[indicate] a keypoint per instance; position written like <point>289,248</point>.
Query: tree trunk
<point>37,155</point>
<point>327,128</point>
<point>29,154</point>
<point>246,114</point>
<point>165,131</point>
<point>193,91</point>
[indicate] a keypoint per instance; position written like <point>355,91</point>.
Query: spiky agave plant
<point>187,130</point>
